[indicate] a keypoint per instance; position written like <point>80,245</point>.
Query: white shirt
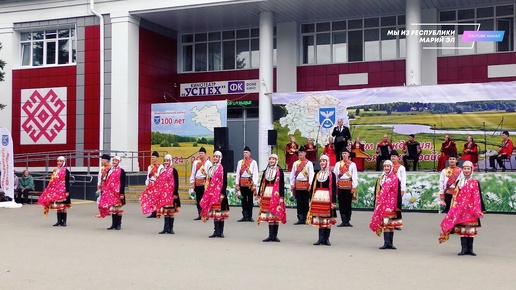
<point>301,177</point>
<point>351,174</point>
<point>152,178</point>
<point>202,172</point>
<point>253,169</point>
<point>402,176</point>
<point>443,180</point>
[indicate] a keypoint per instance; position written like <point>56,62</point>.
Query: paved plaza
<point>84,255</point>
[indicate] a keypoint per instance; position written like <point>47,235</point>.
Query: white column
<point>413,61</point>
<point>287,56</point>
<point>266,88</point>
<point>429,56</point>
<point>124,83</point>
<point>9,53</point>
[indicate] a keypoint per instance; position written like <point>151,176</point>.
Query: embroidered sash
<point>452,174</point>
<point>300,167</point>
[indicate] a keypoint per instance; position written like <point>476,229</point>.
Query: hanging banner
<point>182,128</point>
<point>7,163</point>
<point>482,111</point>
<point>219,88</point>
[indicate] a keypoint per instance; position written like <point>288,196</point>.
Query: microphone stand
<point>485,148</point>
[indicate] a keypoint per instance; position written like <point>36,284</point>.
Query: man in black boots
<point>200,169</point>
<point>300,180</point>
<point>347,182</point>
<point>245,182</point>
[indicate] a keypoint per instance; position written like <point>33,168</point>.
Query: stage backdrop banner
<point>182,128</point>
<point>7,163</point>
<point>429,112</point>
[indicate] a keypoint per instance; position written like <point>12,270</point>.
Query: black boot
<point>470,247</point>
<point>343,223</point>
<point>118,222</point>
<point>244,217</point>
<point>299,220</point>
<point>321,237</point>
<point>152,215</point>
<point>385,241</point>
<point>271,234</point>
<point>165,226</point>
<point>113,223</point>
<point>275,236</point>
<point>391,243</point>
<point>63,219</point>
<point>58,220</point>
<point>250,216</point>
<point>464,246</point>
<point>171,226</point>
<point>327,237</point>
<point>216,229</point>
<point>221,227</point>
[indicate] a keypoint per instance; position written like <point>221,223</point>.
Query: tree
<point>2,74</point>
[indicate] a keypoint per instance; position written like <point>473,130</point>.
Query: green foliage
<point>164,143</point>
<point>176,144</point>
<point>194,145</point>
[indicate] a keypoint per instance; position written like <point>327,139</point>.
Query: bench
<point>34,193</point>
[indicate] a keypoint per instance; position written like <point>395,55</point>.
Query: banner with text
<point>219,88</point>
<point>7,163</point>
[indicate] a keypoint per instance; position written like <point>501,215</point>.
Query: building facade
<point>83,75</point>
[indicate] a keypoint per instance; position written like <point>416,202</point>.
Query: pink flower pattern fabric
<point>386,201</point>
<point>110,192</point>
<point>159,193</point>
<point>56,189</point>
<point>212,192</point>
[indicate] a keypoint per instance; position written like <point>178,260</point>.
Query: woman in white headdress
<point>57,194</point>
<point>387,206</point>
<point>322,212</point>
<point>214,202</point>
<point>162,195</point>
<point>467,207</point>
<point>112,200</point>
<point>271,194</point>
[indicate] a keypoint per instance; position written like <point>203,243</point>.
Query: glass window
<point>355,24</point>
<point>187,58</point>
<point>388,44</point>
<point>255,32</point>
<point>255,53</point>
<point>485,12</point>
<point>48,47</point>
<point>214,56</point>
<point>355,46</point>
<point>252,112</point>
<point>371,22</point>
<point>448,46</point>
<point>228,50</point>
<point>466,14</point>
<point>447,15</point>
<point>214,36</point>
<point>201,56</point>
<point>308,28</point>
<point>201,37</point>
<point>371,45</point>
<point>505,24</point>
<point>401,20</point>
<point>338,25</point>
<point>228,34</point>
<point>323,27</point>
<point>389,21</point>
<point>243,56</point>
<point>340,48</point>
<point>505,10</point>
<point>486,46</point>
<point>187,38</point>
<point>323,48</point>
<point>244,33</point>
<point>308,49</point>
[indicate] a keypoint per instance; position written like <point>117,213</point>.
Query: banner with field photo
<point>180,129</point>
<point>429,112</point>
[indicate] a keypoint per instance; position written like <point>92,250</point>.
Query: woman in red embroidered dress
<point>322,212</point>
<point>466,209</point>
<point>57,194</point>
<point>359,154</point>
<point>162,195</point>
<point>271,193</point>
<point>387,209</point>
<point>214,202</point>
<point>329,150</point>
<point>448,147</point>
<point>112,199</point>
<point>470,152</point>
<point>291,150</point>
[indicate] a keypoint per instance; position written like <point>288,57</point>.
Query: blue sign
<point>5,140</point>
<point>327,117</point>
<point>157,120</point>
